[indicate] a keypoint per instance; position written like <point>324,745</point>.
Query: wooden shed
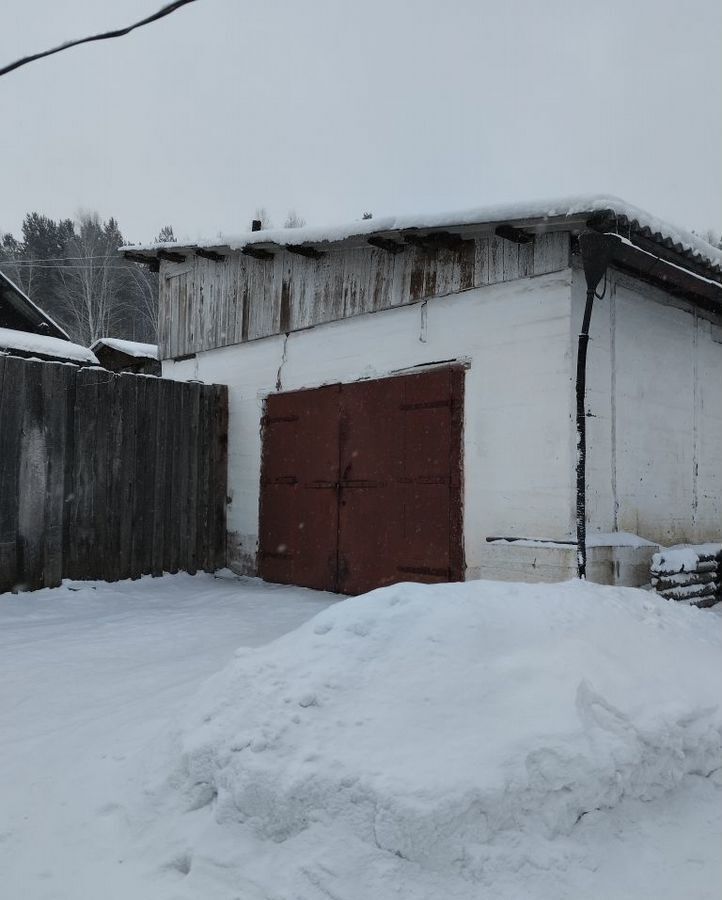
<point>127,356</point>
<point>402,392</point>
<point>27,330</point>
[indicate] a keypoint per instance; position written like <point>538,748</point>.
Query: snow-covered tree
<point>293,220</point>
<point>165,235</point>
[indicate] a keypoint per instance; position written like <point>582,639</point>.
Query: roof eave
<point>662,246</point>
<point>605,220</point>
<point>538,225</point>
<point>671,277</point>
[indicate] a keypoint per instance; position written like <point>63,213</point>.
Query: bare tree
<point>143,292</point>
<point>92,287</point>
<point>293,220</point>
<point>73,271</point>
<point>16,263</point>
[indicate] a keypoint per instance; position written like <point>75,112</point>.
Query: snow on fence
<point>108,476</point>
<point>689,573</point>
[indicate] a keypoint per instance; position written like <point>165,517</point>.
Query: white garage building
<point>463,465</point>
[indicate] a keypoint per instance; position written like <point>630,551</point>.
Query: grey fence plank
<point>173,449</point>
<point>140,553</point>
<point>126,385</point>
<point>160,504</point>
<point>115,510</point>
<point>32,481</point>
<point>181,443</point>
<point>147,481</point>
<point>82,538</point>
<point>11,412</point>
<point>103,451</point>
<point>69,479</point>
<point>220,468</point>
<point>203,447</point>
<point>55,381</point>
<point>193,395</point>
<point>209,563</point>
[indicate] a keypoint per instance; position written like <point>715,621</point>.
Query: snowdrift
<point>442,735</point>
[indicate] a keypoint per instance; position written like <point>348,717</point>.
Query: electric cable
<point>104,36</point>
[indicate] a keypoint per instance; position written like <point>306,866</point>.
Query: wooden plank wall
<point>108,476</point>
<point>206,304</point>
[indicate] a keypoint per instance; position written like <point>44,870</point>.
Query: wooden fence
<point>108,476</point>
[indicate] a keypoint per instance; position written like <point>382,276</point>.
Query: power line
<point>106,35</point>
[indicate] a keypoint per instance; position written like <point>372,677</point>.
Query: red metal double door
<point>361,483</point>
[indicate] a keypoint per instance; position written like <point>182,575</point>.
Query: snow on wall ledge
<point>429,740</point>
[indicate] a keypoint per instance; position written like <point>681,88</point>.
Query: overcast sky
<point>334,107</point>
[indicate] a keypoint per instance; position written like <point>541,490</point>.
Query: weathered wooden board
<point>56,389</point>
<point>108,476</point>
<point>32,480</point>
<point>162,480</point>
<point>206,304</point>
<point>12,378</point>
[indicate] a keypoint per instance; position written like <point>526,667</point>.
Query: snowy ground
<point>88,674</point>
<point>95,683</point>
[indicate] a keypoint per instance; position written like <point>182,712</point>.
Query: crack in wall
<point>284,356</point>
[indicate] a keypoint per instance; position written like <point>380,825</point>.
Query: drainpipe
<point>597,250</point>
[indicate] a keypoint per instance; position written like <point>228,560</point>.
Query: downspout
<point>597,250</point>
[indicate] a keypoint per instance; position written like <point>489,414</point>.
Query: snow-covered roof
<point>130,348</point>
<point>44,345</point>
<point>605,212</point>
<point>29,311</point>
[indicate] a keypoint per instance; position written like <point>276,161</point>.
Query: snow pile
<point>421,740</point>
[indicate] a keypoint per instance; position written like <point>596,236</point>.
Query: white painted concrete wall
<point>655,393</point>
<point>518,451</point>
<point>553,562</point>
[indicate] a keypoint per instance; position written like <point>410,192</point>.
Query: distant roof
<point>599,212</point>
<point>45,346</point>
<point>27,313</point>
<point>130,348</point>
